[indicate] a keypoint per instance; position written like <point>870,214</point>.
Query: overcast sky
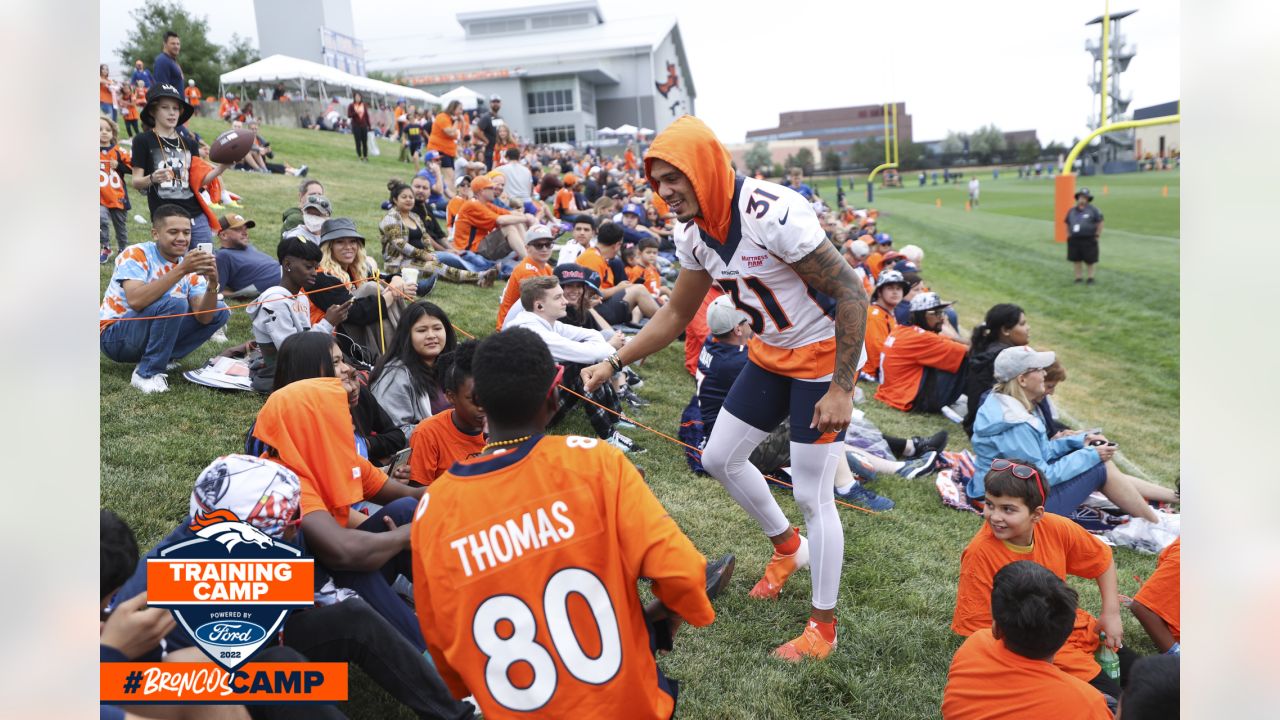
<point>957,66</point>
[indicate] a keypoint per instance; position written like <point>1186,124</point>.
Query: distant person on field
<point>974,188</point>
<point>141,74</point>
<point>193,94</point>
<point>1084,227</point>
<point>1006,670</point>
<point>161,277</point>
<point>358,115</point>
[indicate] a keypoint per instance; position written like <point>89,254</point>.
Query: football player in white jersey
<point>763,243</point>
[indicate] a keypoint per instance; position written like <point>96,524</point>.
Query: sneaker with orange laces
<point>810,644</point>
<point>779,569</point>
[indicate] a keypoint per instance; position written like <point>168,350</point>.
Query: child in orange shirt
<point>1006,670</point>
<point>1157,604</point>
<point>651,278</point>
<point>113,199</point>
<point>454,434</point>
<point>1017,528</point>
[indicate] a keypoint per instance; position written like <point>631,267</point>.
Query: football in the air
<point>231,146</point>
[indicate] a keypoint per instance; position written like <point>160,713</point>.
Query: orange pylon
<point>937,202</point>
<point>1164,191</point>
<point>967,206</point>
<point>1105,190</point>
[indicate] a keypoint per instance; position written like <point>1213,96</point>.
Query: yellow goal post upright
<point>890,146</point>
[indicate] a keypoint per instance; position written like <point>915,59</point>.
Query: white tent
<point>468,97</point>
<point>606,132</point>
<point>628,130</point>
<point>645,131</point>
<point>322,79</point>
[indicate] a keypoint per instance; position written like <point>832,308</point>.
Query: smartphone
<point>398,459</point>
<point>1097,443</point>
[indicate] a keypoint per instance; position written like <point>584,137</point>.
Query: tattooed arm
<point>824,270</point>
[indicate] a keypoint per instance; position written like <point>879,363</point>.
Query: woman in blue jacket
<point>1009,426</point>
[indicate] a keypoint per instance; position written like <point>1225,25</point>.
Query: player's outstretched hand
<point>833,411</point>
<point>596,375</point>
<point>133,628</point>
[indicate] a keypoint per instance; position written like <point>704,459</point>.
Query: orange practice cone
<point>1105,190</point>
<point>937,202</point>
<point>1164,191</point>
<point>967,206</point>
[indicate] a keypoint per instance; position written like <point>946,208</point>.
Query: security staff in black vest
<point>1084,225</point>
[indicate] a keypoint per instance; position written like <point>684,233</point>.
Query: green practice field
<point>1118,340</point>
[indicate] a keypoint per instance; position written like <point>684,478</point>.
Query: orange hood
<point>308,422</point>
<point>693,149</point>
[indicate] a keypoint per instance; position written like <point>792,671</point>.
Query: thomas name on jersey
<point>502,542</point>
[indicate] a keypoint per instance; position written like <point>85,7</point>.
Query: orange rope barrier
<point>230,307</point>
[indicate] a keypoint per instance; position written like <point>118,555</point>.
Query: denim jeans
<point>375,585</point>
<point>154,343</point>
<point>465,260</point>
<point>200,230</point>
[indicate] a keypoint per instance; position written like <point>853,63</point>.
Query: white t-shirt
<point>519,182</point>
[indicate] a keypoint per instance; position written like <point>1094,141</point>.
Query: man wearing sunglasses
<point>922,370</point>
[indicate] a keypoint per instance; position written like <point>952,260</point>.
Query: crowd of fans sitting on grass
<point>345,343</point>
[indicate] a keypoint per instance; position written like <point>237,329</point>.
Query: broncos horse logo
<point>672,81</point>
<point>224,527</point>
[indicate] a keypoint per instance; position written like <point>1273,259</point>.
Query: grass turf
<point>1118,339</point>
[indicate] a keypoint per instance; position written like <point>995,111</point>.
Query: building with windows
<point>562,70</point>
<point>836,128</point>
<point>321,31</point>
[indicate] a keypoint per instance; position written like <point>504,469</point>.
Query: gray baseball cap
<point>339,228</point>
<point>1012,362</point>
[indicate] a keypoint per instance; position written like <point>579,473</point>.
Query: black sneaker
<point>1089,281</point>
<point>718,574</point>
<point>934,443</point>
<point>632,399</point>
<point>634,381</point>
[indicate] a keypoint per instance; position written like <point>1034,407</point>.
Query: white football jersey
<point>772,226</point>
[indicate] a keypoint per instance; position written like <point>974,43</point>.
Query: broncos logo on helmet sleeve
<point>224,527</point>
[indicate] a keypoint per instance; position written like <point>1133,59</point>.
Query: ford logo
<point>230,633</point>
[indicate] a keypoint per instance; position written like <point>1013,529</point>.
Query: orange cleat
<point>778,570</point>
<point>810,644</point>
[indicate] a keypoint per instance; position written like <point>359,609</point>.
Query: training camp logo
<point>231,586</point>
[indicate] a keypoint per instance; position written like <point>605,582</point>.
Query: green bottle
<point>1108,659</point>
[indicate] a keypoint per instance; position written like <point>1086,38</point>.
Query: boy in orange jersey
<point>1006,670</point>
<point>1157,604</point>
<point>538,242</point>
<point>566,204</point>
<point>651,277</point>
<point>890,287</point>
<point>113,163</point>
<point>1018,528</point>
<point>526,560</point>
<point>193,94</point>
<point>456,433</point>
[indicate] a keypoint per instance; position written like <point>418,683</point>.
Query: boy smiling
<point>1017,528</point>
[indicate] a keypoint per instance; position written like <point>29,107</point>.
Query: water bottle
<point>1108,659</point>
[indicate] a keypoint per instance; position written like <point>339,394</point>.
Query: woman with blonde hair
<point>348,275</point>
<point>506,141</point>
<point>405,244</point>
<point>1009,425</point>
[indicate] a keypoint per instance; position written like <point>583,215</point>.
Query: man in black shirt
<point>489,129</point>
<point>1084,225</point>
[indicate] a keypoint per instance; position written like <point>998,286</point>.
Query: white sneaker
<point>219,337</point>
<point>622,442</point>
<point>952,415</point>
<point>153,384</point>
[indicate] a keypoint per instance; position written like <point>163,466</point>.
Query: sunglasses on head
<point>318,200</point>
<point>1022,472</point>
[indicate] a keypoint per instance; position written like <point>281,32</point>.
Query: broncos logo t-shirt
<point>151,153</point>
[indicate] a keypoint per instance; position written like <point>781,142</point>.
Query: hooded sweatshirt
<point>308,424</point>
<point>1004,429</point>
<point>746,235</point>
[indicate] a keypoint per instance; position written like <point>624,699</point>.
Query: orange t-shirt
<point>635,273</point>
<point>438,443</point>
<point>308,423</point>
<point>652,280</point>
<point>111,190</point>
<point>500,152</point>
<point>104,92</point>
<point>1160,592</point>
<point>591,258</point>
<point>549,538</point>
<point>880,323</point>
<point>228,106</point>
<point>906,353</point>
<point>988,681</point>
<point>565,203</point>
<point>193,94</point>
<point>440,142</point>
<point>401,116</point>
<point>511,293</point>
<point>629,160</point>
<point>451,210</point>
<point>475,219</point>
<point>1061,546</point>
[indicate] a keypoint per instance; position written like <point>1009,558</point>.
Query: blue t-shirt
<point>167,72</point>
<point>631,236</point>
<point>144,75</point>
<point>718,366</point>
<point>246,270</point>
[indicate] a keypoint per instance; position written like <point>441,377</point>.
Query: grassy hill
<point>1118,339</point>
